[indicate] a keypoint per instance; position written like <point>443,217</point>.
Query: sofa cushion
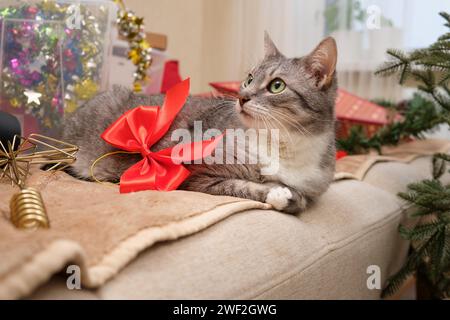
<point>395,176</point>
<point>266,254</point>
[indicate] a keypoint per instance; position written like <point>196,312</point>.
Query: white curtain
<point>234,33</point>
<point>363,39</point>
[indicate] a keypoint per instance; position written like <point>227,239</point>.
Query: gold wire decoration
<point>96,161</point>
<point>27,209</point>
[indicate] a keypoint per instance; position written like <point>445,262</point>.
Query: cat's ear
<point>270,49</point>
<point>321,63</point>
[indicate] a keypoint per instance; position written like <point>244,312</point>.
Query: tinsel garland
<point>42,55</point>
<point>131,28</point>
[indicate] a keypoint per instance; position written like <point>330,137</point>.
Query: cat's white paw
<point>279,197</point>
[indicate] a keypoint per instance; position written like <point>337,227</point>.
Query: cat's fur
<point>303,112</point>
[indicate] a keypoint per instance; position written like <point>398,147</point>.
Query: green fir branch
<point>410,267</point>
<point>430,251</point>
<point>420,232</point>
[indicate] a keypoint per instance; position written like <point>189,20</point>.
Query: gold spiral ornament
<point>27,210</point>
<point>27,207</point>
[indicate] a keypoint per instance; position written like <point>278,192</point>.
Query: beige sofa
<point>323,254</point>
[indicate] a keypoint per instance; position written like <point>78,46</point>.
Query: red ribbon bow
<point>140,128</point>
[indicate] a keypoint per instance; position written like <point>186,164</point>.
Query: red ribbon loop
<point>140,128</point>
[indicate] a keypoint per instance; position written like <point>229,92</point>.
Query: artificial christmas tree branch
<point>429,259</point>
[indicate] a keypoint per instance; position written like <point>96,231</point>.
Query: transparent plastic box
<point>54,56</point>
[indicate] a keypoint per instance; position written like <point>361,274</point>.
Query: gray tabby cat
<point>294,95</point>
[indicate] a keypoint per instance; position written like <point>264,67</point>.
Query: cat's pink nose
<point>242,101</point>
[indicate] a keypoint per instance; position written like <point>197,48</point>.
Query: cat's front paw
<point>279,197</point>
<point>285,200</point>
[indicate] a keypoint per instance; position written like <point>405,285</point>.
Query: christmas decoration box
<point>53,57</point>
<point>351,110</point>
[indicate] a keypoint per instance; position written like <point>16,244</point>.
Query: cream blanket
<point>100,230</point>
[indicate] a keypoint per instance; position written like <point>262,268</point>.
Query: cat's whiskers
<point>294,124</point>
<point>283,129</point>
<point>266,118</point>
<point>302,130</point>
<point>269,125</point>
<point>254,111</point>
<point>258,117</point>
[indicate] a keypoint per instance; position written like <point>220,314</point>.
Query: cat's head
<point>295,94</point>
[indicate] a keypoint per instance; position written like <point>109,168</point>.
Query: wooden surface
<point>156,40</point>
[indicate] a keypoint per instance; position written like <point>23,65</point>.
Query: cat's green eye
<point>248,80</point>
<point>276,86</point>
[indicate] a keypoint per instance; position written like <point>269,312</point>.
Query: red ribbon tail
<point>136,179</point>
